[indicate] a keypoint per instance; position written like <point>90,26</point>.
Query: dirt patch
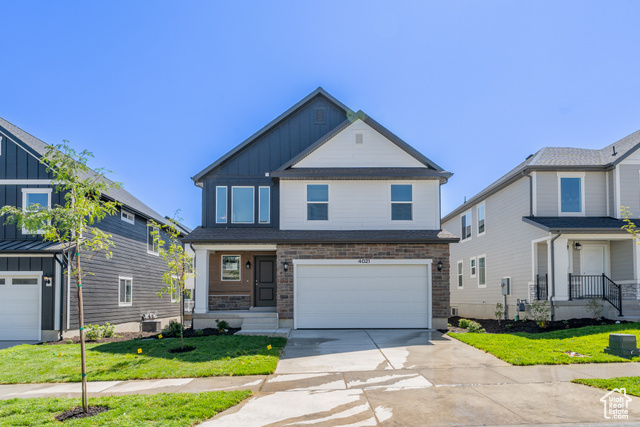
<point>78,412</point>
<point>127,336</point>
<point>186,349</point>
<point>510,326</point>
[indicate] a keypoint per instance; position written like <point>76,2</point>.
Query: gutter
<point>553,276</point>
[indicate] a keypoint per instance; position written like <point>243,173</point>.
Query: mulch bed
<point>78,412</point>
<point>186,349</point>
<point>127,336</point>
<point>510,326</point>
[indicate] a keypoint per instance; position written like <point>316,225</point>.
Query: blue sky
<point>159,90</point>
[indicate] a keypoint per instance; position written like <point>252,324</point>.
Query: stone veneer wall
<point>229,302</point>
<point>438,252</point>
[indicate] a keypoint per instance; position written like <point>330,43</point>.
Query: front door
<point>265,291</point>
<point>593,259</point>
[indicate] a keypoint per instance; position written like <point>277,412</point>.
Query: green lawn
<point>549,348</point>
<point>179,409</point>
<point>631,384</point>
<point>214,356</point>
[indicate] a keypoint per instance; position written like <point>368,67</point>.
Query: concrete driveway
<point>417,378</point>
<point>8,344</point>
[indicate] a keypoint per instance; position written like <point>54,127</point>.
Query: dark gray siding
<point>16,163</point>
<point>266,154</point>
<point>47,266</point>
<point>130,259</point>
<point>12,195</point>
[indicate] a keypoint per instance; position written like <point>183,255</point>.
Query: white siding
<point>547,197</point>
<point>595,193</point>
<point>359,205</point>
<point>630,188</point>
<point>507,245</point>
<point>342,151</point>
<point>621,260</point>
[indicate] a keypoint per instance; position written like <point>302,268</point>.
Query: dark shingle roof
<point>274,235</point>
<point>29,246</point>
<point>38,148</point>
<point>575,224</point>
<point>361,173</point>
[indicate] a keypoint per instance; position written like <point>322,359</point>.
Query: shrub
<point>499,313</point>
<point>199,333</point>
<point>595,307</point>
<point>93,332</point>
<point>222,326</point>
<point>540,313</point>
<point>108,330</point>
<point>173,329</point>
<point>471,326</point>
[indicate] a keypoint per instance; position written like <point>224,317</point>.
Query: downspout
<point>553,276</point>
<point>193,293</point>
<point>530,192</point>
<point>62,289</point>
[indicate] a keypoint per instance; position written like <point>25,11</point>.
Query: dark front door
<point>265,281</point>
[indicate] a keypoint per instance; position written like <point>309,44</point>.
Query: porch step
<point>262,325</point>
<point>263,309</point>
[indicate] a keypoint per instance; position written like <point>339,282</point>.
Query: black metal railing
<point>542,287</point>
<point>587,286</point>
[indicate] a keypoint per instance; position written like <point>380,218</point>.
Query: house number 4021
<point>364,261</point>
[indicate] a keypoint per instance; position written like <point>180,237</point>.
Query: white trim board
<point>25,182</point>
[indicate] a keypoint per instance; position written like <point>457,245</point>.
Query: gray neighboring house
<point>551,228</point>
<point>37,298</point>
<point>322,219</point>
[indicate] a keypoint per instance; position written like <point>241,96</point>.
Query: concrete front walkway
<point>390,377</point>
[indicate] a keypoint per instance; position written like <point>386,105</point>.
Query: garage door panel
<point>19,311</point>
<point>362,296</point>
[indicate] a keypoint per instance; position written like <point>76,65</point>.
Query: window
<point>221,205</point>
<point>482,271</point>
<point>317,202</point>
<point>242,205</point>
<point>152,246</point>
<point>459,274</point>
<point>571,194</point>
<point>472,263</point>
<point>231,267</point>
<point>481,226</point>
<point>125,291</point>
<point>465,220</point>
<point>35,199</point>
<point>264,204</point>
<point>2,282</point>
<point>30,281</point>
<point>401,201</point>
<point>175,295</point>
<point>127,217</point>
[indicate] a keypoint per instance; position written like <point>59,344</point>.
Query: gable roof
<point>38,148</point>
<point>559,159</point>
<point>318,92</point>
<point>351,118</point>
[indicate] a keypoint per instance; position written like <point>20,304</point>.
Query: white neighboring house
<point>551,228</point>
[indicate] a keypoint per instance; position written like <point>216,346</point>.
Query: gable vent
<point>319,116</point>
<point>359,138</point>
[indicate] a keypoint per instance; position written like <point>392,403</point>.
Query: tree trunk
<point>85,399</point>
<point>182,320</point>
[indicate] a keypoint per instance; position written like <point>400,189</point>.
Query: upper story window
<point>459,274</point>
<point>465,221</point>
<point>242,205</point>
<point>317,202</point>
<point>35,199</point>
<point>264,205</point>
<point>472,263</point>
<point>401,202</point>
<point>571,194</point>
<point>481,224</point>
<point>127,217</point>
<point>221,205</point>
<point>152,246</point>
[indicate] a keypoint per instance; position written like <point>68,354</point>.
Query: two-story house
<point>322,219</point>
<point>550,229</point>
<point>38,300</point>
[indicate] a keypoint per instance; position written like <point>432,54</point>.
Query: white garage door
<point>19,307</point>
<point>378,294</point>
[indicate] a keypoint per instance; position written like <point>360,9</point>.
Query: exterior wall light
<point>578,246</point>
<point>285,265</point>
<point>248,265</point>
<point>440,266</point>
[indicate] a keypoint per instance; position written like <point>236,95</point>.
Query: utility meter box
<point>505,284</point>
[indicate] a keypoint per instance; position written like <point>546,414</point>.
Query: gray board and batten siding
<point>266,153</point>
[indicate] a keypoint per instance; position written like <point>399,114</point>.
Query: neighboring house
<point>322,219</point>
<point>38,301</point>
<point>552,228</point>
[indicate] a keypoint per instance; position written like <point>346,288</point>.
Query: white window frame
<point>222,279</point>
<point>485,270</point>
<point>155,250</point>
<point>253,204</point>
<point>460,274</point>
<point>26,191</point>
<point>226,204</point>
<point>582,176</point>
<point>462,238</point>
<point>120,303</point>
<point>484,217</point>
<point>260,205</point>
<point>123,216</point>
<point>391,203</point>
<point>306,198</point>
<point>473,267</point>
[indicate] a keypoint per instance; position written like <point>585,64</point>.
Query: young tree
<point>179,265</point>
<point>73,223</point>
